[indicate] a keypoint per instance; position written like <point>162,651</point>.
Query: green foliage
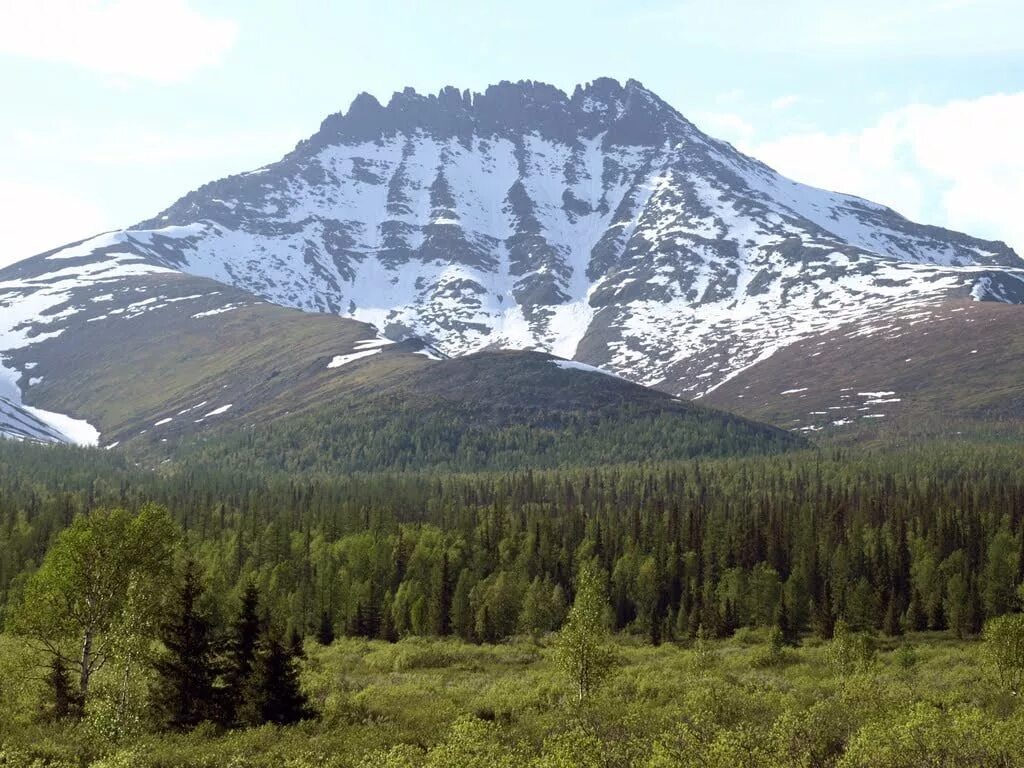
<point>186,691</point>
<point>906,658</point>
<point>773,653</point>
<point>908,541</point>
<point>705,655</point>
<point>916,540</point>
<point>1004,649</point>
<point>474,743</point>
<point>273,694</point>
<point>583,651</point>
<point>502,705</point>
<point>850,652</point>
<point>100,589</point>
<point>929,735</point>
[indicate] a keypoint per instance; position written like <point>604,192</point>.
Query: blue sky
<point>114,109</point>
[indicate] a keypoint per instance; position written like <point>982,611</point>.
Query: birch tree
<point>583,649</point>
<point>100,587</point>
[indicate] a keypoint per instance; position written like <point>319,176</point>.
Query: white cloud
<point>785,102</point>
<point>906,28</point>
<point>43,217</point>
<point>158,40</point>
<point>960,164</point>
<point>725,125</point>
<point>130,144</point>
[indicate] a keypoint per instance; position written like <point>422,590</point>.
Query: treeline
<point>447,438</point>
<point>923,539</point>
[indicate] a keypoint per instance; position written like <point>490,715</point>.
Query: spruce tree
<point>242,646</point>
<point>462,611</point>
<point>891,623</point>
<point>64,700</point>
<point>787,631</point>
<point>296,643</point>
<point>325,633</point>
<point>442,608</point>
<point>917,619</point>
<point>186,690</point>
<point>274,694</point>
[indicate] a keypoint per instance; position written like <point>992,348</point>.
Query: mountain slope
<point>173,365</point>
<point>948,368</point>
<point>600,226</point>
<point>487,410</point>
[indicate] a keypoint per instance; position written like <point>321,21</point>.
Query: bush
<point>773,653</point>
<point>1004,650</point>
<point>850,652</point>
<point>928,735</point>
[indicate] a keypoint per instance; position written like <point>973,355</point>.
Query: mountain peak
<point>507,109</point>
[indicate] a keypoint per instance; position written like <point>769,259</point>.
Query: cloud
<point>785,102</point>
<point>44,217</point>
<point>129,144</point>
<point>959,164</point>
<point>164,41</point>
<point>907,28</point>
<point>726,125</point>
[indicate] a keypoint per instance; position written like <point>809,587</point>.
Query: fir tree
<point>787,632</point>
<point>241,656</point>
<point>917,619</point>
<point>891,623</point>
<point>462,611</point>
<point>441,610</point>
<point>296,643</point>
<point>64,702</point>
<point>274,693</point>
<point>186,691</point>
<point>325,633</point>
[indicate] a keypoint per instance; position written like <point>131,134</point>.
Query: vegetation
<point>816,608</point>
<point>583,651</point>
<point>897,542</point>
<point>442,702</point>
<point>489,411</point>
<point>97,593</point>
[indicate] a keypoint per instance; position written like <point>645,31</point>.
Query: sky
<point>114,109</point>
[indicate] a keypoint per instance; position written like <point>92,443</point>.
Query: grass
<point>443,702</point>
<point>953,368</point>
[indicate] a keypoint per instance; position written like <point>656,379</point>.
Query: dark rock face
<point>600,225</point>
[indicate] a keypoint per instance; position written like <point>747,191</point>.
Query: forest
<point>768,585</point>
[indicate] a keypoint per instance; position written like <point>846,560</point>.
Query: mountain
<point>945,369</point>
<point>123,350</point>
<point>600,226</point>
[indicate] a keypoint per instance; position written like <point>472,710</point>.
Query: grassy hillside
<point>939,372</point>
<point>124,375</point>
<point>490,410</point>
<point>199,369</point>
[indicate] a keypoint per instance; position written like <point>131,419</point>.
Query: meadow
<point>924,699</point>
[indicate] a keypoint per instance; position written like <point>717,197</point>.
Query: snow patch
<point>573,365</point>
<point>339,360</point>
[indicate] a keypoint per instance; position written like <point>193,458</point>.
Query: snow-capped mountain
<point>600,226</point>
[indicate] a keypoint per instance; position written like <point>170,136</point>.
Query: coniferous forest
<point>820,607</point>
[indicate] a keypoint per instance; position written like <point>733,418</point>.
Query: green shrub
<point>1004,650</point>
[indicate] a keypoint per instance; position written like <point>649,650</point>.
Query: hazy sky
<point>112,110</point>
